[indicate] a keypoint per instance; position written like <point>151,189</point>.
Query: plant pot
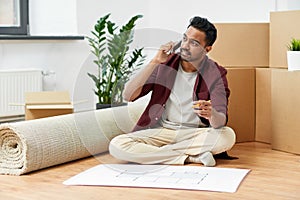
<point>103,106</point>
<point>293,60</point>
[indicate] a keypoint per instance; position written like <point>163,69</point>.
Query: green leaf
<point>129,26</point>
<point>111,27</point>
<point>94,78</point>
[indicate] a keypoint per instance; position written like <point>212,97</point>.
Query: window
<point>13,17</point>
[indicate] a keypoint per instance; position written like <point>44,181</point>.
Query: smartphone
<point>176,46</point>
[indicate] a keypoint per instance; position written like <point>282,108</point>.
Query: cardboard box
<point>284,26</point>
<point>263,105</point>
<point>46,104</point>
<point>285,110</point>
<point>242,45</point>
<point>241,107</point>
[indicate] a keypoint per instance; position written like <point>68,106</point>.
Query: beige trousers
<point>167,146</point>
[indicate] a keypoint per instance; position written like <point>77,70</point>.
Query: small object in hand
<point>175,47</point>
<point>198,104</point>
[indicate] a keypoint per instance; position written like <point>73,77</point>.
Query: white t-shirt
<point>179,111</point>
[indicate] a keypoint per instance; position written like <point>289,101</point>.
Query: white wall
<point>283,5</point>
<point>55,17</point>
<point>163,20</point>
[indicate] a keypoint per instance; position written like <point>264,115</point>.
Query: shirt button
<point>156,118</point>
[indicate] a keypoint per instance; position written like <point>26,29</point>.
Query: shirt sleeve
<point>214,82</point>
<point>149,84</point>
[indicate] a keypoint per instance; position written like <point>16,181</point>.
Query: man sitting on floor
<point>185,120</point>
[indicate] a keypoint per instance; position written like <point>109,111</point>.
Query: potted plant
<point>293,55</point>
<point>113,58</point>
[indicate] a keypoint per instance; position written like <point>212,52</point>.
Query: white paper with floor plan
<point>162,176</point>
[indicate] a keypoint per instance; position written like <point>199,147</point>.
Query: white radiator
<point>13,85</point>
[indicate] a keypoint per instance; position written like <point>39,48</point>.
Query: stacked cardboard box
<point>242,51</point>
<point>285,85</point>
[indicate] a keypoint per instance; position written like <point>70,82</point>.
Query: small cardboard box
<point>47,104</point>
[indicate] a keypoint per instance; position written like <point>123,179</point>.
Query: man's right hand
<point>163,53</point>
<point>134,86</point>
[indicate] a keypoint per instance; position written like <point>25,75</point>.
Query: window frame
<point>24,22</point>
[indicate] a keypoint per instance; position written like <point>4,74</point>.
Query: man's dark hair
<point>202,24</point>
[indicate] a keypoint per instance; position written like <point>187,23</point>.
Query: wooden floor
<point>274,175</point>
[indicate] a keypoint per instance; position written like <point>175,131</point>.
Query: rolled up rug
<point>36,144</point>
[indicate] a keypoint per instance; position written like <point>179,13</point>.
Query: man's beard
<point>185,55</point>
